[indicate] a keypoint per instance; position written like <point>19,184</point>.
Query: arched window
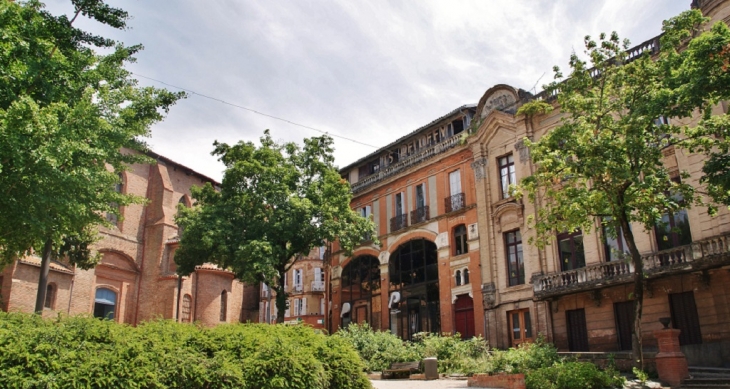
<point>460,245</point>
<point>361,289</point>
<point>466,276</point>
<point>50,302</point>
<point>458,277</point>
<point>105,303</point>
<point>414,274</point>
<point>186,306</point>
<point>224,305</point>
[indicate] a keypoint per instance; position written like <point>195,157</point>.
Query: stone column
<point>671,364</point>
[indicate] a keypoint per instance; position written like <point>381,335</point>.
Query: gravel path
<point>418,384</point>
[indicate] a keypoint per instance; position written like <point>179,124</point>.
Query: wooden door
<point>624,313</point>
<point>577,331</point>
<point>361,314</point>
<point>685,318</point>
<point>464,316</point>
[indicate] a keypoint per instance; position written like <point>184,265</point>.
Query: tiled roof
<point>211,266</point>
<point>55,265</point>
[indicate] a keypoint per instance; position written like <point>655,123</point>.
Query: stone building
<point>443,210</point>
<point>305,285</point>
<point>135,280</point>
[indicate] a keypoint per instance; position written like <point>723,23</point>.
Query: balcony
<point>701,255</point>
<point>297,288</point>
<point>455,202</point>
<point>420,215</point>
<point>265,293</point>
<point>317,286</point>
<point>399,222</point>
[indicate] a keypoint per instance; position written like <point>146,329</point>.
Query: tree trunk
<point>637,351</point>
<point>40,299</point>
<point>281,300</point>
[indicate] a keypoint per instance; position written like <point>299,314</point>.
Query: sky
<point>370,71</point>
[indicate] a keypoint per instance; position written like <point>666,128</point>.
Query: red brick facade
<point>137,270</point>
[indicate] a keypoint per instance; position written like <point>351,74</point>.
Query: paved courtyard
<point>418,384</point>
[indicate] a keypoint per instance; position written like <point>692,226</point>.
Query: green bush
<point>90,353</point>
<point>454,355</point>
<point>573,375</point>
<point>378,349</point>
<point>524,358</point>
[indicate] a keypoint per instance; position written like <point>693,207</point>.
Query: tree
<point>66,114</point>
<point>602,166</point>
<point>277,202</point>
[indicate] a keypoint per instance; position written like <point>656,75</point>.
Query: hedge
<point>84,352</point>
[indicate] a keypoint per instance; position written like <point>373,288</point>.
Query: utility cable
<point>254,111</point>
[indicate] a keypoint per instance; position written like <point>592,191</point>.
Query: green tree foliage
<point>603,164</point>
<point>276,202</point>
<point>66,112</point>
<point>84,352</point>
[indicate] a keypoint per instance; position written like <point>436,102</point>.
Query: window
<point>460,244</point>
<point>398,204</point>
<point>186,306</point>
<point>318,283</point>
<point>465,274</point>
<point>456,199</point>
<point>321,306</point>
<point>50,302</point>
<point>673,228</point>
<point>506,174</point>
<point>577,330</point>
<point>458,126</point>
<point>400,220</point>
<point>462,277</point>
<point>571,254</point>
<point>458,277</point>
<point>520,325</point>
<point>298,276</point>
<point>615,247</point>
<point>105,302</point>
<point>515,262</point>
<point>297,307</point>
<point>366,212</point>
<point>118,187</point>
<point>224,305</point>
<point>420,214</point>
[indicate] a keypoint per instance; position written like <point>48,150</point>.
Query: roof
<point>168,161</point>
<point>410,134</point>
<point>55,265</point>
<point>212,267</point>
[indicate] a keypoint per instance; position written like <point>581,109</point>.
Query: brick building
<point>442,210</point>
<point>135,280</point>
<point>424,275</point>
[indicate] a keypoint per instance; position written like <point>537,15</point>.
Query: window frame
<point>516,264</point>
<point>461,243</point>
<point>570,237</point>
<point>507,170</point>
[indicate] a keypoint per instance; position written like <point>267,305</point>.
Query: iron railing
<point>455,202</point>
<point>399,222</point>
<point>420,215</point>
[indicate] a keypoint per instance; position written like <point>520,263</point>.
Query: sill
<point>517,288</point>
<point>510,199</point>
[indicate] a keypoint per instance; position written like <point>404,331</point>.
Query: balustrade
<point>678,258</point>
<point>399,222</point>
<point>317,286</point>
<point>455,202</point>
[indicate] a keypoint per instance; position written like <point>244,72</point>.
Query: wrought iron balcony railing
<point>420,215</point>
<point>399,222</point>
<point>703,254</point>
<point>265,293</point>
<point>455,202</point>
<point>317,286</point>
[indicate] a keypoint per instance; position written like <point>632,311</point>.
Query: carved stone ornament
<point>473,231</point>
<point>384,257</point>
<point>442,240</point>
<point>489,295</point>
<point>480,168</point>
<point>523,150</point>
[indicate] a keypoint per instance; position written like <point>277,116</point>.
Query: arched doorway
<point>414,276</point>
<point>464,316</point>
<point>361,290</point>
<point>105,303</point>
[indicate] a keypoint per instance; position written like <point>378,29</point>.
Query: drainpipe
<point>71,291</point>
<point>179,290</point>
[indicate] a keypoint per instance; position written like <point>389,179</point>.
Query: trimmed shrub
<point>90,353</point>
<point>523,358</point>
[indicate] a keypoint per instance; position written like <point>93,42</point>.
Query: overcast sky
<point>368,70</point>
